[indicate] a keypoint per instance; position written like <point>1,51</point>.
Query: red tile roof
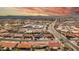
<point>73,35</point>
<point>54,44</point>
<point>48,35</point>
<point>3,30</point>
<point>8,44</point>
<point>24,45</point>
<point>39,43</point>
<point>76,34</point>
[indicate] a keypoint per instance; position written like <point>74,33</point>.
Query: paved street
<point>58,36</point>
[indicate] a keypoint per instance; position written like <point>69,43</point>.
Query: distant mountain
<point>35,17</point>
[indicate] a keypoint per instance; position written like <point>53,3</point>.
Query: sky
<point>4,11</point>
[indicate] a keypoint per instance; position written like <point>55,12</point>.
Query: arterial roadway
<point>59,36</point>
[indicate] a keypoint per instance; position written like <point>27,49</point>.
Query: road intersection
<point>59,36</point>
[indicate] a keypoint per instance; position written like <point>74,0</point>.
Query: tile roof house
<point>24,45</point>
<point>54,44</point>
<point>8,44</point>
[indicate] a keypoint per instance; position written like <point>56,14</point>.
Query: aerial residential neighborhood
<point>38,33</point>
<point>39,29</point>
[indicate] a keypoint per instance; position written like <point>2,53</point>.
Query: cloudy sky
<point>39,11</point>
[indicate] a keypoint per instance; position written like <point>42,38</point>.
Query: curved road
<point>58,36</point>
